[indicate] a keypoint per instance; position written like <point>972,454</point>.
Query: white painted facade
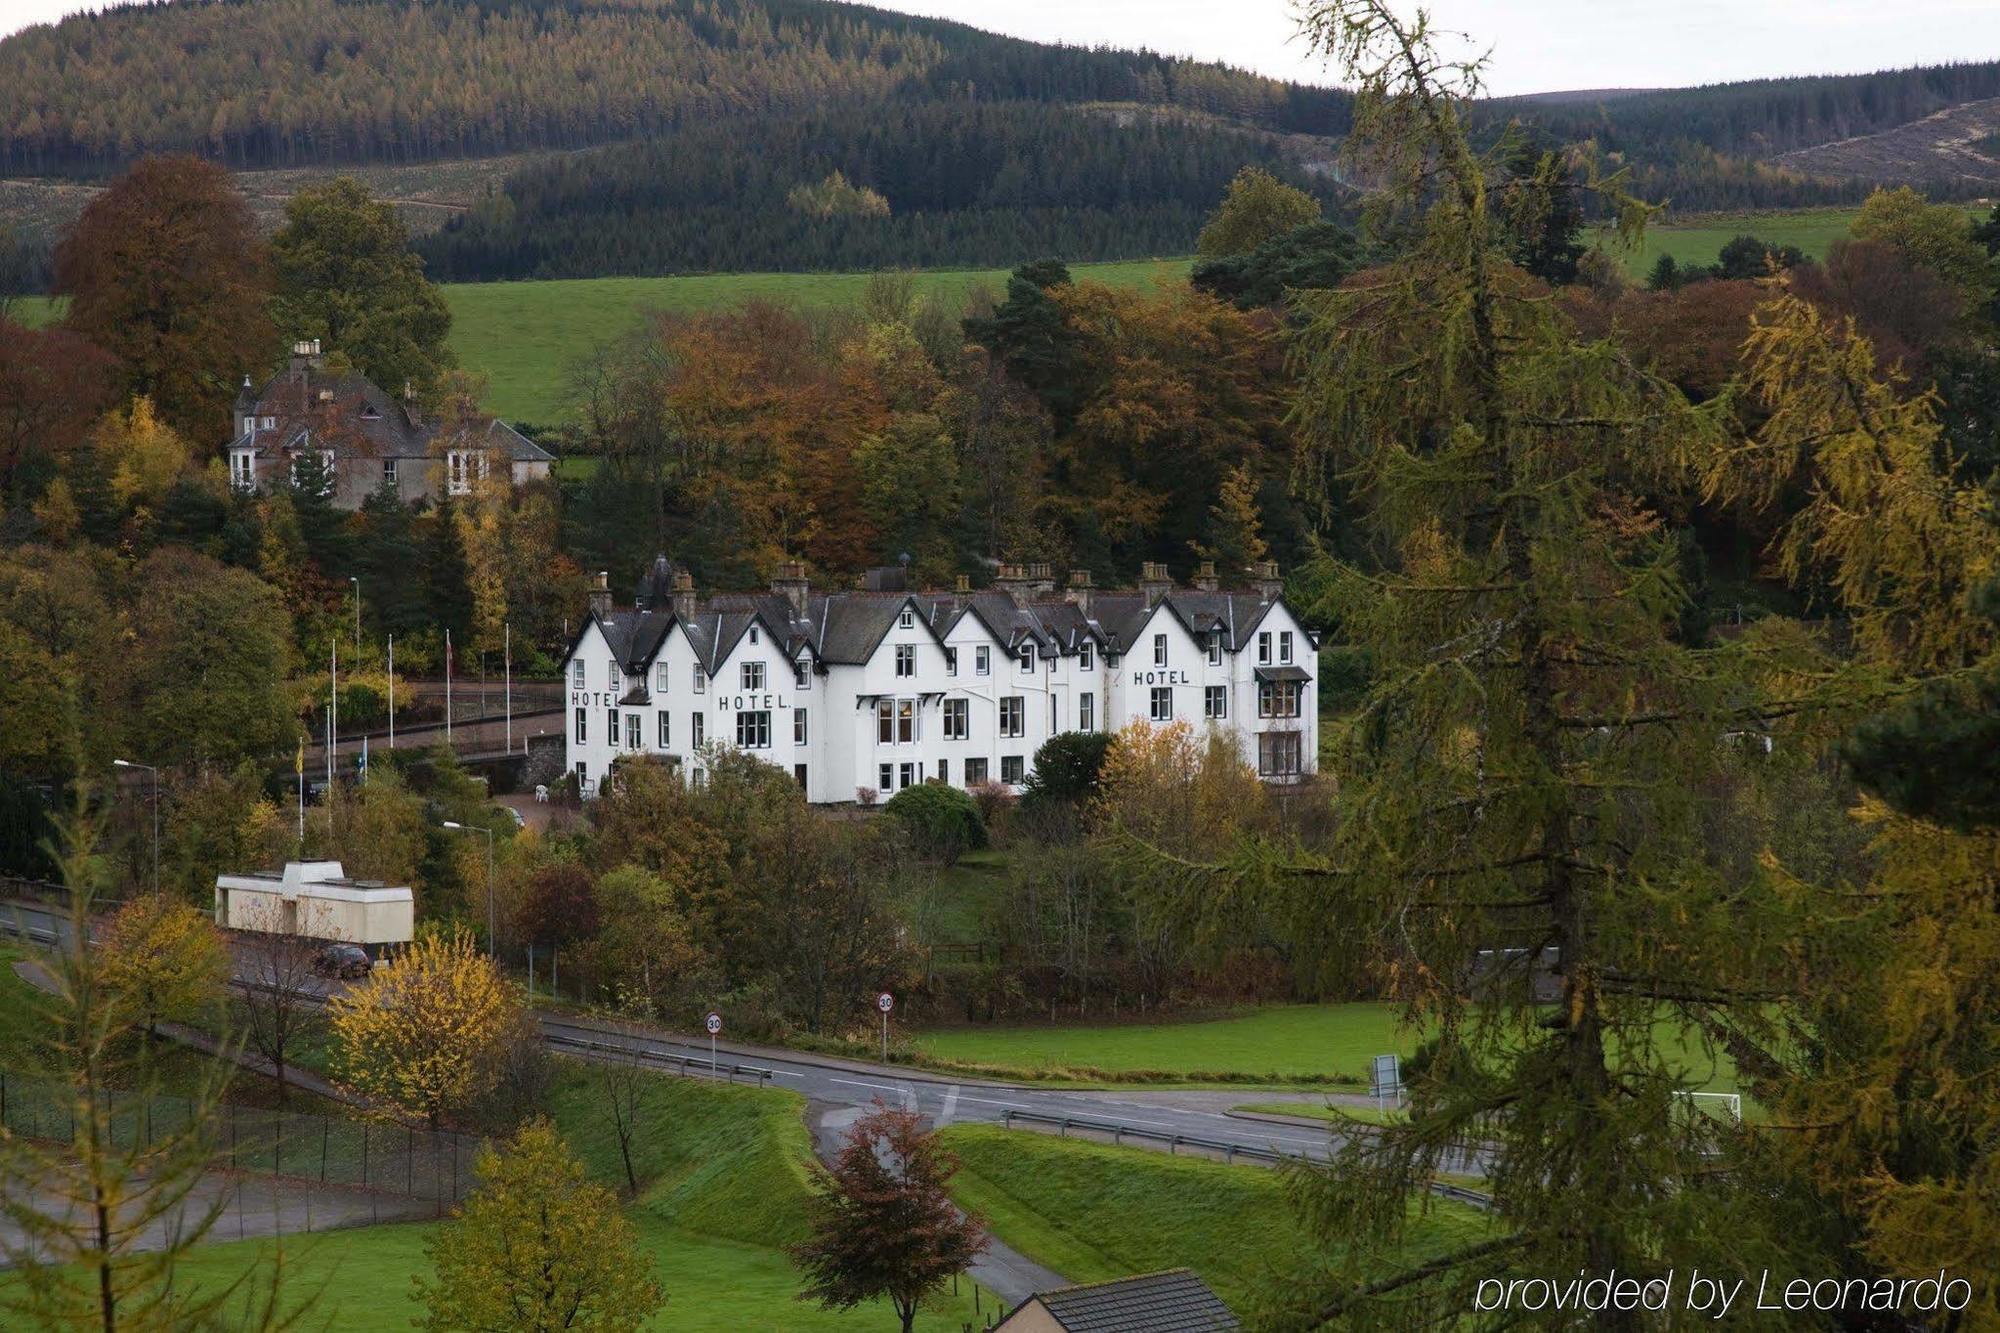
<point>939,692</point>
<point>316,900</point>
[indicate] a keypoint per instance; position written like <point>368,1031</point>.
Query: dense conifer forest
<point>965,186</point>
<point>704,135</point>
<point>289,82</point>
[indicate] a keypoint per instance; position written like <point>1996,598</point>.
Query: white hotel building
<point>868,690</point>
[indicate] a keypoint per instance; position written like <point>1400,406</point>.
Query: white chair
<point>542,793</point>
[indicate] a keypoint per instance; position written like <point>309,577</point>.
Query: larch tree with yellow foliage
<point>426,1034</point>
<point>537,1248</point>
<point>150,456</point>
<point>1530,786</point>
<point>1884,1097</point>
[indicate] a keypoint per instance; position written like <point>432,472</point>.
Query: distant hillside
<point>569,138</point>
<point>297,82</point>
<point>1955,145</point>
<point>961,186</point>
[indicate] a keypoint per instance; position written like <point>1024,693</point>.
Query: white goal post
<point>1731,1103</point>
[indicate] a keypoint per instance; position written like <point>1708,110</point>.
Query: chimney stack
<point>1269,586</point>
<point>1079,591</point>
<point>1041,580</point>
<point>1154,582</point>
<point>1205,579</point>
<point>600,594</point>
<point>1012,580</point>
<point>961,593</point>
<point>683,595</point>
<point>791,584</point>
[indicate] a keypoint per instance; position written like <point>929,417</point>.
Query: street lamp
<point>127,763</point>
<point>357,618</point>
<point>474,828</point>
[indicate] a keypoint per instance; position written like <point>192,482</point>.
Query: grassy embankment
<point>1094,1212</point>
<point>1697,239</point>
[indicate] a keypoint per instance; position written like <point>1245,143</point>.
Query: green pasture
<point>1698,239</point>
<point>523,336</point>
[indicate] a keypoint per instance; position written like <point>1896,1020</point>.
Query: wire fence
<point>403,1170</point>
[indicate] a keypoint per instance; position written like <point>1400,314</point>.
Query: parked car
<point>342,960</point>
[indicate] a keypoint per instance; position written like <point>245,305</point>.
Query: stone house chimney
<point>600,594</point>
<point>1041,581</point>
<point>684,595</point>
<point>1154,582</point>
<point>1079,591</point>
<point>961,593</point>
<point>1205,578</point>
<point>1012,580</point>
<point>1266,581</point>
<point>791,584</point>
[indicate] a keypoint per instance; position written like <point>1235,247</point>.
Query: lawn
<point>1093,1212</point>
<point>1281,1042</point>
<point>364,1280</point>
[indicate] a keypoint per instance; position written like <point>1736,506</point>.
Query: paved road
<point>1157,1114</point>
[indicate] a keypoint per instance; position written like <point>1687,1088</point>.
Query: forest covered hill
<point>610,137</point>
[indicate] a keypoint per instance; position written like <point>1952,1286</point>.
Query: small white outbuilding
<point>317,900</point>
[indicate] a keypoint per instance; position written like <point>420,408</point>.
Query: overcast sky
<point>1537,45</point>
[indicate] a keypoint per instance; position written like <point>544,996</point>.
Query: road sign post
<point>1388,1079</point>
<point>885,1002</point>
<point>714,1025</point>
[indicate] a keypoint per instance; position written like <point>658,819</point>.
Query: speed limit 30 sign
<point>713,1023</point>
<point>885,1002</point>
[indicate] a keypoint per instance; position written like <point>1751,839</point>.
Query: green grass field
<point>1094,1212</point>
<point>524,335</point>
<point>1697,240</point>
<point>1281,1042</point>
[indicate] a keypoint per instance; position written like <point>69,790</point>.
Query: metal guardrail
<point>1119,1133</point>
<point>1230,1151</point>
<point>685,1064</point>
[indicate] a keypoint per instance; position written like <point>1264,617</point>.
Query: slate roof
<point>845,627</point>
<point>367,421</point>
<point>1175,1301</point>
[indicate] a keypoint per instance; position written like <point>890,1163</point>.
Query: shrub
<point>942,820</point>
<point>1066,770</point>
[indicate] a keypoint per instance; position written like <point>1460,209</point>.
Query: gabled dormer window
<point>802,674</point>
<point>1215,647</point>
<point>753,634</point>
<point>908,619</point>
<point>1084,656</point>
<point>1027,657</point>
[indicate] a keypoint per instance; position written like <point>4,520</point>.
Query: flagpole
<point>392,691</point>
<point>447,686</point>
<point>299,766</point>
<point>507,659</point>
<point>333,716</point>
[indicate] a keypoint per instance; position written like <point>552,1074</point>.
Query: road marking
<point>950,1105</point>
<point>879,1087</point>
